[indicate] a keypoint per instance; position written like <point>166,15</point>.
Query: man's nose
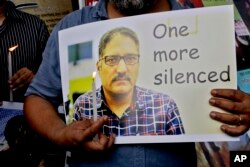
<point>121,66</point>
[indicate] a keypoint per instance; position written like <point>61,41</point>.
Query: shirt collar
<point>100,10</point>
<point>137,101</point>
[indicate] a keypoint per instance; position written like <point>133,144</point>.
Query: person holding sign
<point>132,110</point>
<point>45,94</point>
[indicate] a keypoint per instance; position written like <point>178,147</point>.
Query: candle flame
<point>94,74</point>
<point>13,48</point>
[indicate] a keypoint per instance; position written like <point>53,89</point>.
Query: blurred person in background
<point>27,35</point>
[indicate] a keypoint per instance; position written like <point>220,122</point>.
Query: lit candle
<point>10,68</point>
<point>94,96</point>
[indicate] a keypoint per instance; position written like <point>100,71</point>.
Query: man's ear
<point>98,67</point>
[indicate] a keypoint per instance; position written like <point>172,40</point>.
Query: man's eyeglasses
<point>115,59</point>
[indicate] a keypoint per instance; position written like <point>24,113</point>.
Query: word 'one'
<point>161,31</point>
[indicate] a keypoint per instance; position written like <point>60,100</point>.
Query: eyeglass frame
<point>121,57</point>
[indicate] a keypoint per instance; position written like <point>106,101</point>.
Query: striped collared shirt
<point>150,114</point>
<point>30,34</point>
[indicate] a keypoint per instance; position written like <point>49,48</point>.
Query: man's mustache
<point>121,77</point>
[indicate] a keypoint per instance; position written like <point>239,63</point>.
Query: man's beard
<point>132,7</point>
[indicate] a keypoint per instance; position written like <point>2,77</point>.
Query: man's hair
<point>108,36</point>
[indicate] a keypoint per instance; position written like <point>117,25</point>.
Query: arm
<point>43,118</point>
<point>237,104</point>
<point>45,93</point>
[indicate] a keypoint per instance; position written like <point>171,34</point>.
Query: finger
<point>111,140</point>
<point>99,144</point>
<point>24,79</point>
<point>23,82</point>
<point>93,145</point>
<point>231,119</point>
<point>19,73</point>
<point>15,80</point>
<point>18,84</point>
<point>227,105</point>
<point>82,124</point>
<point>95,127</point>
<point>75,131</point>
<point>29,79</point>
<point>234,131</point>
<point>104,143</point>
<point>103,140</point>
<point>228,94</point>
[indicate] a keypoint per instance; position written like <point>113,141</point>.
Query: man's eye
<point>131,59</point>
<point>111,60</point>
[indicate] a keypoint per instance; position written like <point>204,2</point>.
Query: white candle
<point>10,68</point>
<point>10,73</point>
<point>94,97</point>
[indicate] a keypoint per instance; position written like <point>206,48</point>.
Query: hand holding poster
<point>155,75</point>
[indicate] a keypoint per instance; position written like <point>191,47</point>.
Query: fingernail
<point>212,114</point>
<point>213,92</point>
<point>211,101</point>
<point>223,128</point>
<point>105,117</point>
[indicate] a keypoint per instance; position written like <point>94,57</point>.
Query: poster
<point>169,63</point>
<point>49,11</point>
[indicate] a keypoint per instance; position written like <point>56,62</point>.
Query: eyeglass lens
<point>115,59</point>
